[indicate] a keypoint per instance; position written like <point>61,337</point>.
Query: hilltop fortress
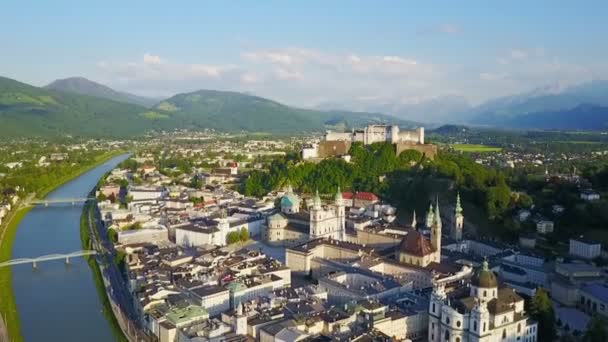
<point>337,144</point>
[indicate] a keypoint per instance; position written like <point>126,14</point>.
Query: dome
<point>484,277</point>
<point>290,200</point>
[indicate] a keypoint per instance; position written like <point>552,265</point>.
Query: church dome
<point>290,200</point>
<point>484,277</point>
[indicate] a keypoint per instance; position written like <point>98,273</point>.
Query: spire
<point>289,189</point>
<point>484,265</point>
<point>316,203</point>
<point>437,213</point>
<point>458,209</point>
<point>338,195</point>
<point>429,216</point>
<point>414,223</point>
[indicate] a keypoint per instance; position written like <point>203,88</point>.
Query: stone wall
<point>429,150</point>
<point>333,148</point>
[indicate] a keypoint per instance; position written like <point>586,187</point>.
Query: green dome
<point>484,277</point>
<point>290,200</point>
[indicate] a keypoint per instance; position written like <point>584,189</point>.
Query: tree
<point>541,309</point>
<point>244,234</point>
<point>232,237</point>
<point>102,197</point>
<point>498,199</point>
<point>525,201</point>
<point>113,235</point>
<point>596,330</point>
<point>409,157</point>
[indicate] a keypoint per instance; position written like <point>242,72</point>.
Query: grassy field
<point>475,148</point>
<point>8,307</point>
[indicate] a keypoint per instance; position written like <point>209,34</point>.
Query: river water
<point>55,301</point>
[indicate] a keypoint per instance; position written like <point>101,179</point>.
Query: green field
<point>475,148</point>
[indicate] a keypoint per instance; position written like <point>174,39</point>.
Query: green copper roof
<point>179,316</point>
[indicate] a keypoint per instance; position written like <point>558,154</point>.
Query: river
<point>55,301</point>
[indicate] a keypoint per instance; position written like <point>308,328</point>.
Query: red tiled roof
<point>365,196</point>
<point>347,195</point>
<point>415,243</point>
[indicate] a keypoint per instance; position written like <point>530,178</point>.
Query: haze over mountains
<point>77,106</point>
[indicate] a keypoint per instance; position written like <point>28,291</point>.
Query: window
<point>485,293</point>
<point>518,328</point>
<point>433,307</point>
<point>458,324</point>
<point>602,307</point>
<point>484,326</point>
<point>447,320</point>
<point>447,335</point>
<point>457,339</point>
<point>474,325</point>
<point>583,300</point>
<point>504,334</point>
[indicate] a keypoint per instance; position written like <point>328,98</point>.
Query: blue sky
<point>309,53</point>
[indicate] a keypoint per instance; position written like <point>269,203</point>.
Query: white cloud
<point>306,77</point>
<point>449,28</point>
<point>152,59</point>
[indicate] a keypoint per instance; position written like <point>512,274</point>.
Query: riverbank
<point>8,307</point>
<point>87,213</point>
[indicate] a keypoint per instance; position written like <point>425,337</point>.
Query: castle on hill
<point>337,144</point>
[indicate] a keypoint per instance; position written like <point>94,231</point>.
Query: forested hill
<point>26,110</point>
<point>83,86</point>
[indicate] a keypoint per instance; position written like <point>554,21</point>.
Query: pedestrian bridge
<point>35,261</point>
<point>46,202</point>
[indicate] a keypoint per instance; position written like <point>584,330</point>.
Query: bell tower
<point>458,220</point>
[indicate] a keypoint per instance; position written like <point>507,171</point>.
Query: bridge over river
<point>35,261</point>
<point>46,202</point>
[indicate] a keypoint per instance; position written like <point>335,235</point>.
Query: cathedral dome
<point>290,200</point>
<point>484,277</point>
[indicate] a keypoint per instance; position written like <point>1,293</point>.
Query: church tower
<point>429,217</point>
<point>435,304</point>
<point>316,213</point>
<point>436,233</point>
<point>458,220</point>
<point>340,216</point>
<point>414,222</point>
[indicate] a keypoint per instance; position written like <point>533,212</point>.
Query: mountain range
<point>80,107</point>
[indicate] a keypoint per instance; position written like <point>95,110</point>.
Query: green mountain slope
<point>27,111</point>
<point>83,86</point>
<point>31,111</point>
<point>232,111</point>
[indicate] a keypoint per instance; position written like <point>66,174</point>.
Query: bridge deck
<point>49,257</point>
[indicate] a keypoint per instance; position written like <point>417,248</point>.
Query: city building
<point>585,248</point>
<point>294,224</point>
<point>484,313</point>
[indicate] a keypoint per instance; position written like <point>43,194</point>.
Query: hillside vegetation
<point>31,111</point>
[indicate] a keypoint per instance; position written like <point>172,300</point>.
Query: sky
<point>309,53</point>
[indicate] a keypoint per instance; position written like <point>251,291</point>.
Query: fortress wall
<point>429,150</point>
